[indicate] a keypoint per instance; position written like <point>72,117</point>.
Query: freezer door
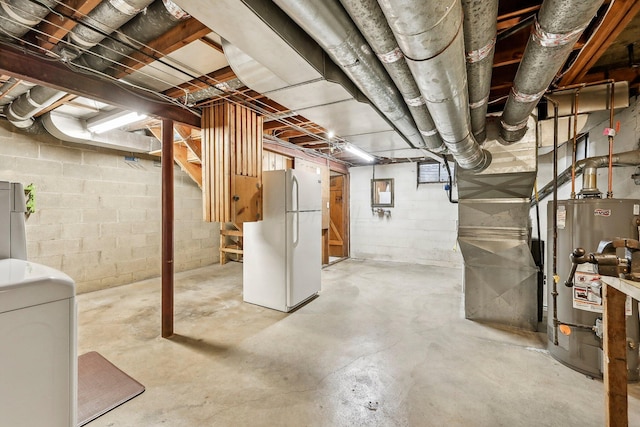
<point>304,191</point>
<point>304,255</point>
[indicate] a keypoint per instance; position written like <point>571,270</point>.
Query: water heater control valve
<point>607,262</point>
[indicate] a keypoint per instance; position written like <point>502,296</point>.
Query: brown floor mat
<point>102,387</point>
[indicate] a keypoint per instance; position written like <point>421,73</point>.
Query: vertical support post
<point>615,358</point>
<point>167,228</point>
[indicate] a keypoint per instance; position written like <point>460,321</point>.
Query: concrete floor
<point>385,344</point>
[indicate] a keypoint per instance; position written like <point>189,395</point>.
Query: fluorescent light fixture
<point>115,120</point>
<point>358,152</point>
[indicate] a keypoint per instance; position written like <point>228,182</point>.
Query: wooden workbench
<point>615,348</point>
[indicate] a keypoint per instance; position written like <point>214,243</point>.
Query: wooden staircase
<point>225,159</point>
<point>230,242</point>
<point>187,149</point>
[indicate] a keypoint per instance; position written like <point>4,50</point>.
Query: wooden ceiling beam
<point>627,74</point>
<point>508,23</point>
<point>212,44</point>
<point>55,25</point>
<point>179,36</point>
<point>275,124</point>
<point>299,154</point>
<point>9,88</point>
<point>518,13</point>
<point>68,97</point>
<point>14,62</point>
<point>306,139</point>
<point>219,76</point>
<point>620,15</point>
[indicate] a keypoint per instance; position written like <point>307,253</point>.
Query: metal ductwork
<point>12,89</point>
<point>330,26</point>
<point>273,56</point>
<point>158,18</point>
<point>558,26</point>
<point>588,167</point>
<point>21,111</point>
<point>17,17</point>
<point>500,276</point>
<point>71,129</point>
<point>102,20</point>
<point>219,89</point>
<point>430,36</point>
<point>369,18</point>
<point>479,43</point>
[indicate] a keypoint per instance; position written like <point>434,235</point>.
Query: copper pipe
<point>167,228</point>
<point>581,85</point>
<point>610,138</point>
<point>575,142</point>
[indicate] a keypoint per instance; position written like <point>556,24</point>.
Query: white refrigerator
<point>282,253</point>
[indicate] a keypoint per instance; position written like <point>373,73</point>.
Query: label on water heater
<point>587,292</point>
<point>561,217</point>
<point>636,209</point>
<point>602,212</point>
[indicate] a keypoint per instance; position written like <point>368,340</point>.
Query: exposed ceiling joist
<point>275,124</point>
<point>179,36</point>
<point>296,153</point>
<point>56,25</point>
<point>219,76</point>
<point>64,100</point>
<point>620,15</point>
<point>212,44</point>
<point>16,63</point>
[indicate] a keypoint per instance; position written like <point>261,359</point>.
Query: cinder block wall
<point>422,227</point>
<point>98,215</point>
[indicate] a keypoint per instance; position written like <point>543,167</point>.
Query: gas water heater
<point>575,313</point>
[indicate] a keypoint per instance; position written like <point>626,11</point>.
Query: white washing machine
<point>38,360</point>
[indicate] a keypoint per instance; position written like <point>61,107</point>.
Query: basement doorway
<point>339,217</point>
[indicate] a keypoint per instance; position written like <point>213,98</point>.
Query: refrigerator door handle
<point>295,187</point>
<point>296,229</point>
<point>295,206</point>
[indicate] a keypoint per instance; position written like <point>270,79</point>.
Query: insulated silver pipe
<point>590,165</point>
<point>106,17</point>
<point>158,18</point>
<point>430,36</point>
<point>331,27</point>
<point>558,26</point>
<point>369,18</point>
<point>479,25</point>
<point>17,17</point>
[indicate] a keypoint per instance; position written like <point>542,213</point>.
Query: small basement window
<point>430,171</point>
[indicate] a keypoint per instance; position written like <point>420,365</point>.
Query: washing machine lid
<point>25,284</point>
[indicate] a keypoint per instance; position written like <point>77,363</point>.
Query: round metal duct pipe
<point>479,25</point>
<point>430,36</point>
<point>17,17</point>
<point>369,18</point>
<point>557,28</point>
<point>331,27</point>
<point>20,112</point>
<point>160,16</point>
<point>106,17</point>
